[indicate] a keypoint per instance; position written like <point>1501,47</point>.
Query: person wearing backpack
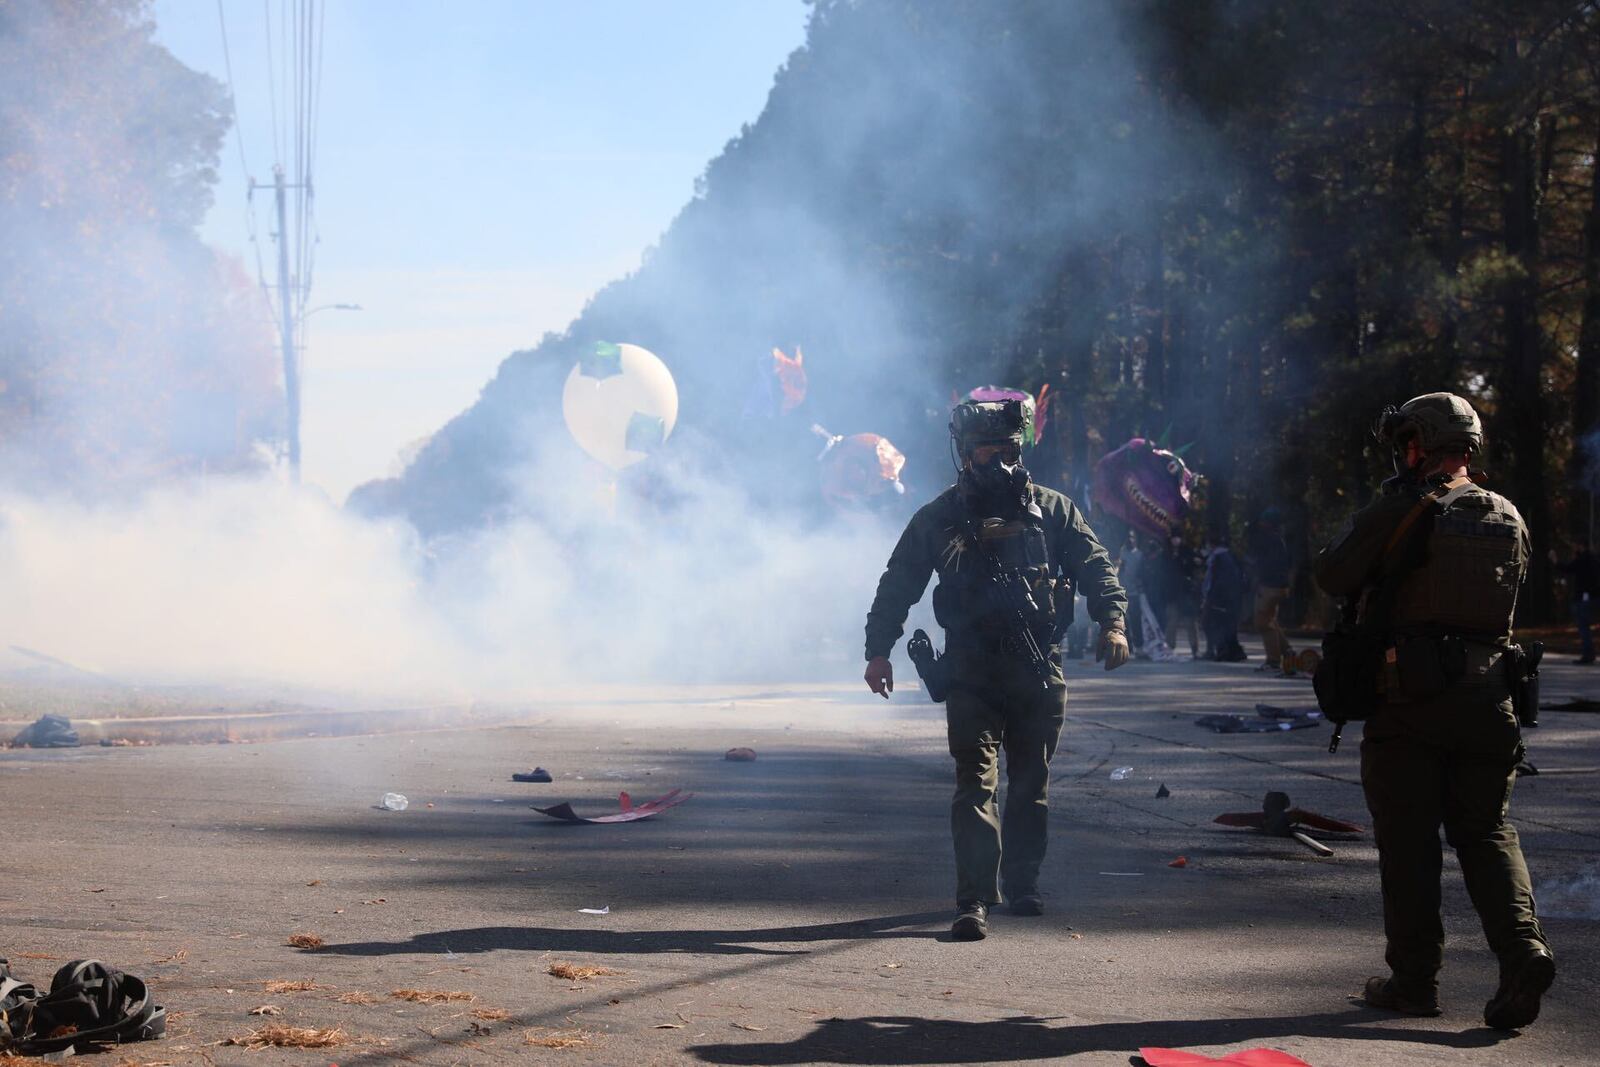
<point>1444,558</point>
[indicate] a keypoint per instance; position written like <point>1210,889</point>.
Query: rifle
<point>1017,605</point>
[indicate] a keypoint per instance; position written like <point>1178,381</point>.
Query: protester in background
<point>1269,557</point>
<point>1177,583</point>
<point>1131,567</point>
<point>1584,573</point>
<point>1220,598</point>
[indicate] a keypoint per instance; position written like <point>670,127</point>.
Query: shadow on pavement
<point>906,1039</point>
<point>711,942</point>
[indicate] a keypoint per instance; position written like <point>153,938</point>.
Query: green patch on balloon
<point>646,433</point>
<point>604,361</point>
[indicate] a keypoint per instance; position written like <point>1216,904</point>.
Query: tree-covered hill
<point>1253,222</point>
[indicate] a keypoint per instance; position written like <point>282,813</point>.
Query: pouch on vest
<point>1524,667</point>
<point>1346,678</point>
<point>1427,666</point>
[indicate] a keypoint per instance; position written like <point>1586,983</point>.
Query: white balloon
<point>604,397</point>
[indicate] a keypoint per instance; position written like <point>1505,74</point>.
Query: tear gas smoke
<point>1574,897</point>
<point>251,581</point>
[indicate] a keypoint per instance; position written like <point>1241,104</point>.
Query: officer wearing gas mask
<point>1009,555</point>
<point>1442,559</point>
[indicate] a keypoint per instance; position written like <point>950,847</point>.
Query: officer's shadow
<point>909,1039</point>
<point>708,942</point>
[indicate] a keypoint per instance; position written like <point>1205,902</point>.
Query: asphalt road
<point>794,911</point>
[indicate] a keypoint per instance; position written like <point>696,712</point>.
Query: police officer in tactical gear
<point>1442,740</point>
<point>995,522</point>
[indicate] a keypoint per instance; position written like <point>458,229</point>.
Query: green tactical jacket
<point>930,543</point>
<point>1477,560</point>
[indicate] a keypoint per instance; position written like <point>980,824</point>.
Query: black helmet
<point>987,422</point>
<point>1436,421</point>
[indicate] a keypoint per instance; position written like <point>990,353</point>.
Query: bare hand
<point>1113,648</point>
<point>880,676</point>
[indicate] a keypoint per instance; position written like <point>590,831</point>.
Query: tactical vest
<point>966,603</point>
<point>1467,583</point>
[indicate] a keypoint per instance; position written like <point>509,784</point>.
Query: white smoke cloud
<point>250,581</point>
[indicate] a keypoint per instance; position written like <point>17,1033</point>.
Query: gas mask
<point>1001,476</point>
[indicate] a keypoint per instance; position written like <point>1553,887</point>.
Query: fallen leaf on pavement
<point>309,942</point>
<point>752,1029</point>
<point>667,1026</point>
<point>265,1009</point>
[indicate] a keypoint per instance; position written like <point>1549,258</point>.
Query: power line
<point>272,87</point>
<point>233,105</point>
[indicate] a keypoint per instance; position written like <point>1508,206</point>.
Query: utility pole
<point>286,335</point>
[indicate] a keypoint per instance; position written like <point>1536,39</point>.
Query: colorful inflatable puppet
<point>779,388</point>
<point>1147,486</point>
<point>859,471</point>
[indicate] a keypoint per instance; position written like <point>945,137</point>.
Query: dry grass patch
<point>284,985</point>
<point>309,942</point>
<point>490,1015</point>
<point>578,972</point>
<point>276,1035</point>
<point>357,997</point>
<point>433,996</point>
<point>543,1037</point>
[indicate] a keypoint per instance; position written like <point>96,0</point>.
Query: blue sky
<point>483,167</point>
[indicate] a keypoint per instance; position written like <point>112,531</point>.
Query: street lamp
<point>292,383</point>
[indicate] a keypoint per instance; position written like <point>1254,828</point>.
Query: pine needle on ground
<point>578,972</point>
<point>357,997</point>
<point>432,996</point>
<point>284,985</point>
<point>542,1037</point>
<point>490,1015</point>
<point>276,1035</point>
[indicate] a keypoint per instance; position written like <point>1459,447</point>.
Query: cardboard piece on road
<point>629,813</point>
<point>1250,1057</point>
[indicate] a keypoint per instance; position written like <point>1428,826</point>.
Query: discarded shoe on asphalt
<point>1027,904</point>
<point>1516,1003</point>
<point>538,774</point>
<point>972,921</point>
<point>1385,994</point>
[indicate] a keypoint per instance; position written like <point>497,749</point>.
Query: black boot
<point>972,921</point>
<point>1516,1003</point>
<point>1025,904</point>
<point>1389,995</point>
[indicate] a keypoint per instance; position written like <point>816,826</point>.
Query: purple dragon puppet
<point>1147,486</point>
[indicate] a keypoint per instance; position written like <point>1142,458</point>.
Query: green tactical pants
<point>996,702</point>
<point>1448,762</point>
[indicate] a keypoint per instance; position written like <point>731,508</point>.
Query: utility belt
<point>995,642</point>
<point>1360,672</point>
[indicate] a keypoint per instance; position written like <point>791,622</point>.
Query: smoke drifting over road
<point>887,213</point>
